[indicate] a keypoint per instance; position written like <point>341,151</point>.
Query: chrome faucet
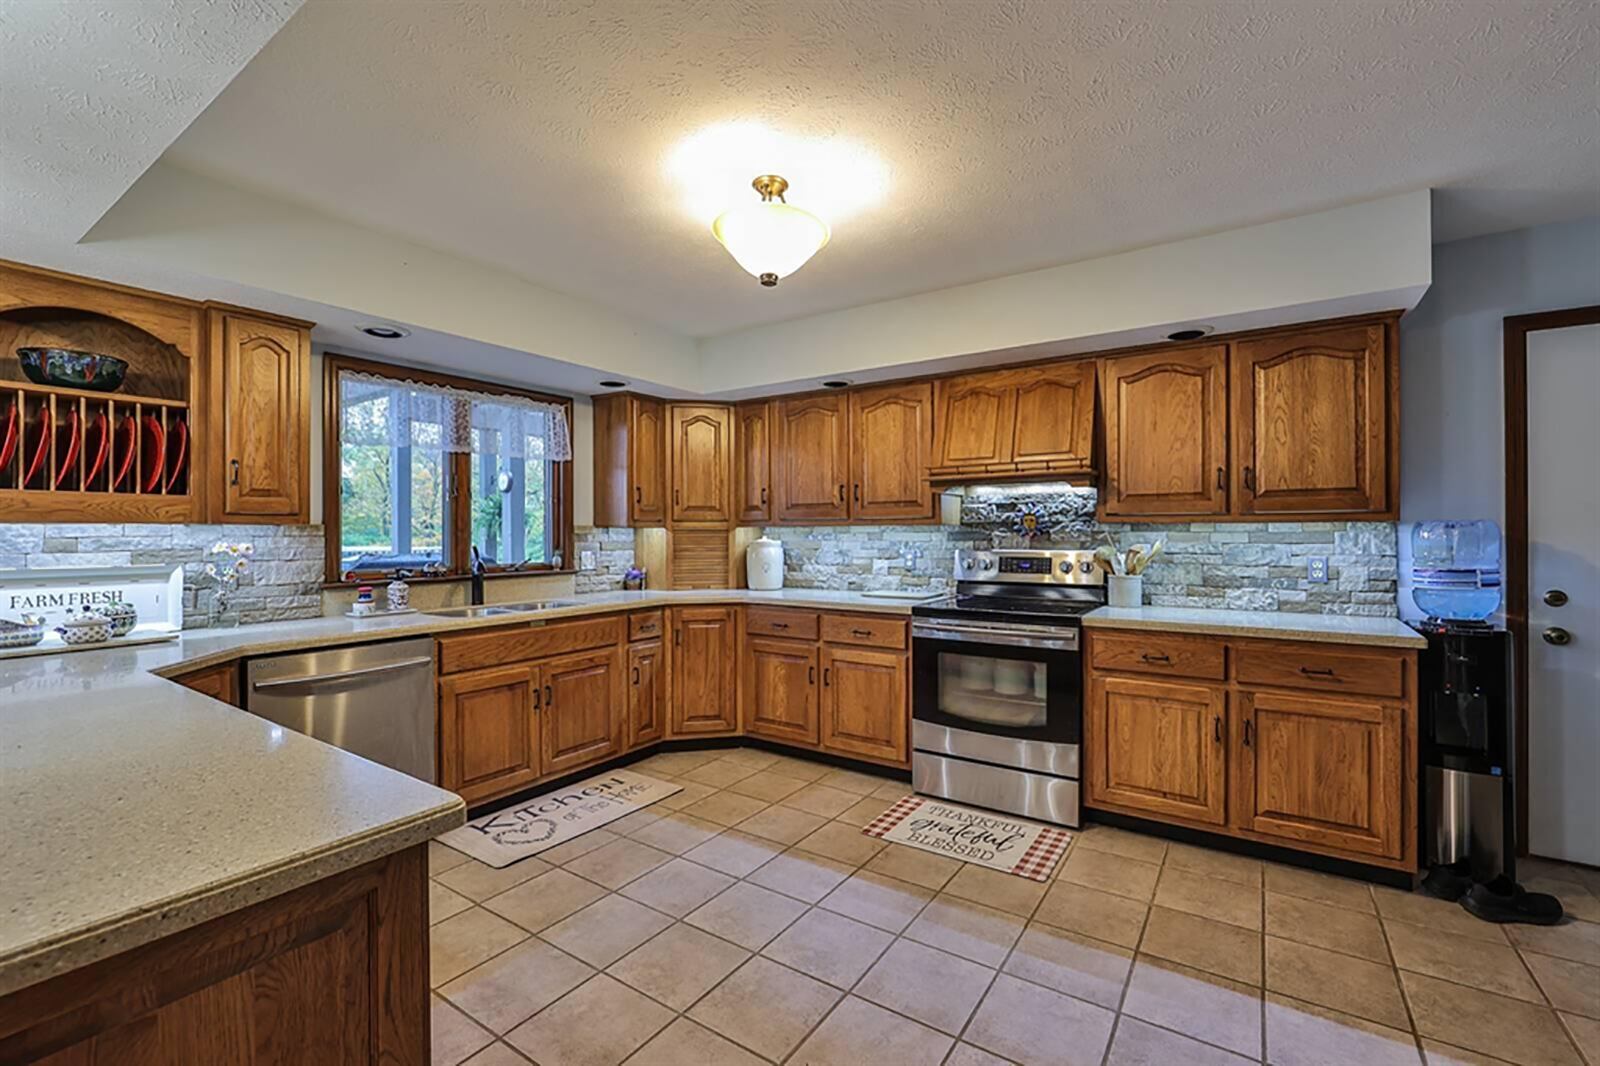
<point>477,577</point>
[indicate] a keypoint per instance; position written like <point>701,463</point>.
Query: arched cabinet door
<point>260,367</point>
<point>702,463</point>
<point>1166,426</point>
<point>811,459</point>
<point>891,429</point>
<point>975,415</point>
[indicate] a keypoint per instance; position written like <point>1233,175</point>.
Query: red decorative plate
<point>40,449</point>
<point>129,445</point>
<point>74,442</point>
<point>8,437</point>
<point>155,453</point>
<point>101,428</point>
<point>180,452</point>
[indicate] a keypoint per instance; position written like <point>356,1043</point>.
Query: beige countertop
<point>1279,625</point>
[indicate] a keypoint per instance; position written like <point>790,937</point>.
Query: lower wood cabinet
<point>1158,746</point>
<point>488,732</point>
<point>219,682</point>
<point>864,705</point>
<point>704,687</point>
<point>778,690</point>
<point>647,692</point>
<point>581,709</point>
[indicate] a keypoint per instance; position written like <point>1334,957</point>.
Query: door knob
<point>1555,598</point>
<point>1556,635</point>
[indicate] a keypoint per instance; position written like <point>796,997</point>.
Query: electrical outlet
<point>1317,569</point>
<point>586,560</point>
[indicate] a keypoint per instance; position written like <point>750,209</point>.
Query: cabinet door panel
<point>1321,771</point>
<point>891,446</point>
<point>1166,419</point>
<point>265,422</point>
<point>703,677</point>
<point>582,709</point>
<point>779,694</point>
<point>973,425</point>
<point>488,731</point>
<point>647,692</point>
<point>647,460</point>
<point>1054,414</point>
<point>1310,421</point>
<point>810,460</point>
<point>864,705</point>
<point>752,461</point>
<point>702,458</point>
<point>1158,746</point>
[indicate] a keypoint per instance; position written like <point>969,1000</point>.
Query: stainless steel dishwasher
<point>375,700</point>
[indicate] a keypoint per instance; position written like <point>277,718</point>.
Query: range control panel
<point>1027,566</point>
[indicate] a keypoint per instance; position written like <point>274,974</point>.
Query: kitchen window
<point>421,468</point>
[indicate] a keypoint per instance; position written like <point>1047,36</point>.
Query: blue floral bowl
<point>73,370</point>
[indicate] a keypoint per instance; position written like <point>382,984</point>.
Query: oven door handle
<point>983,635</point>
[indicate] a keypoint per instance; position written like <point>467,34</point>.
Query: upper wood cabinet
<point>582,707</point>
<point>1313,421</point>
<point>630,460</point>
<point>1021,422</point>
<point>700,461</point>
<point>752,462</point>
<point>811,459</point>
<point>1166,433</point>
<point>488,731</point>
<point>891,443</point>
<point>704,684</point>
<point>261,424</point>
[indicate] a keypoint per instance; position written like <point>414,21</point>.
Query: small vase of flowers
<point>228,564</point>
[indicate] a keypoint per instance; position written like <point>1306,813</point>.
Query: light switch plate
<point>1317,569</point>
<point>586,560</point>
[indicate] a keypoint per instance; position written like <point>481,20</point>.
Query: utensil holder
<point>1125,590</point>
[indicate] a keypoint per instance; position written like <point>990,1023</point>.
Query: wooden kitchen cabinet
<point>220,682</point>
<point>811,459</point>
<point>647,692</point>
<point>891,444</point>
<point>581,709</point>
<point>630,460</point>
<point>778,693</point>
<point>700,461</point>
<point>864,702</point>
<point>1158,746</point>
<point>704,683</point>
<point>489,731</point>
<point>259,437</point>
<point>1314,420</point>
<point>1019,422</point>
<point>1166,433</point>
<point>752,462</point>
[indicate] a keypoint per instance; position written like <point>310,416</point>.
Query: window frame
<point>458,503</point>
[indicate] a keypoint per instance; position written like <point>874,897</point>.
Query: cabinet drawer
<point>860,629</point>
<point>778,622</point>
<point>500,646</point>
<point>644,625</point>
<point>1159,653</point>
<point>1321,669</point>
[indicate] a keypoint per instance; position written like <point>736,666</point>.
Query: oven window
<point>1010,693</point>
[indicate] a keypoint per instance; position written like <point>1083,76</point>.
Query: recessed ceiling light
<point>613,383</point>
<point>1193,333</point>
<point>385,332</point>
<point>837,383</point>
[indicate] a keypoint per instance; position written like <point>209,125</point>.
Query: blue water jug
<point>1455,569</point>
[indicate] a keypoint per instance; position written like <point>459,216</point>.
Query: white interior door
<point>1564,557</point>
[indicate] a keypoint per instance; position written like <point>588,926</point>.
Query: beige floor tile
<point>829,947</point>
<point>766,1007</point>
<point>734,853</point>
<point>498,1054</point>
<point>858,1032</point>
<point>932,986</point>
<point>877,900</point>
<point>1072,963</point>
<point>629,824</point>
<point>441,858</point>
<point>769,785</point>
<point>1438,1053</point>
<point>1575,941</point>
<point>1101,915</point>
<point>580,845</point>
<point>996,888</point>
<point>677,887</point>
<point>678,763</point>
<point>1576,900</point>
<point>1585,1033</point>
<point>1435,914</point>
<point>545,899</point>
<point>1204,1006</point>
<point>753,757</point>
<point>1494,968</point>
<point>443,903</point>
<point>617,863</point>
<point>599,1023</point>
<point>1142,1044</point>
<point>801,875</point>
<point>1216,947</point>
<point>822,800</point>
<point>783,824</point>
<point>683,1043</point>
<point>802,769</point>
<point>892,791</point>
<point>1492,1025</point>
<point>1336,928</point>
<point>983,934</point>
<point>851,781</point>
<point>719,773</point>
<point>458,944</point>
<point>455,1037</point>
<point>1222,865</point>
<point>693,792</point>
<point>1570,986</point>
<point>478,881</point>
<point>1303,1034</point>
<point>1320,887</point>
<point>964,1054</point>
<point>863,812</point>
<point>516,984</point>
<point>606,930</point>
<point>1209,897</point>
<point>677,832</point>
<point>678,966</point>
<point>1341,982</point>
<point>746,914</point>
<point>726,808</point>
<point>915,865</point>
<point>1112,873</point>
<point>1122,842</point>
<point>1029,1024</point>
<point>843,842</point>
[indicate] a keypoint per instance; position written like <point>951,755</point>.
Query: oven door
<point>1021,682</point>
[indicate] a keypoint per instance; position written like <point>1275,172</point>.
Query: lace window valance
<point>394,413</point>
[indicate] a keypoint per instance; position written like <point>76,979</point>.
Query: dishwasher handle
<point>364,671</point>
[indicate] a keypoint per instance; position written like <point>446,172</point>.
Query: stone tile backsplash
<point>613,553</point>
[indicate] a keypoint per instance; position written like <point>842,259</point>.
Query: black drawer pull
<point>779,625</point>
<point>1162,658</point>
<point>861,632</point>
<point>1325,671</point>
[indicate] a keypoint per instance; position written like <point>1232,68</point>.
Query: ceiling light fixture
<point>385,332</point>
<point>771,240</point>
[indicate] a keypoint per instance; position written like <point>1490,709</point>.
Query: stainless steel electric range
<point>996,709</point>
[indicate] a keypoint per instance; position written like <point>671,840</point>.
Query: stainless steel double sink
<point>491,610</point>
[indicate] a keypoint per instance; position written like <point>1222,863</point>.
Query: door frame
<point>1516,330</point>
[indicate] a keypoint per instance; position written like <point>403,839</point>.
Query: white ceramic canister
<point>1125,590</point>
<point>763,564</point>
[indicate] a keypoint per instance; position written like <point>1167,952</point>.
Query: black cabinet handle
<point>1326,672</point>
<point>841,492</point>
<point>234,465</point>
<point>1250,478</point>
<point>1162,658</point>
<point>636,676</point>
<point>857,491</point>
<point>780,625</point>
<point>1216,729</point>
<point>763,497</point>
<point>538,701</point>
<point>677,496</point>
<point>861,632</point>
<point>677,636</point>
<point>811,675</point>
<point>1249,731</point>
<point>549,697</point>
<point>638,494</point>
<point>1222,478</point>
<point>827,676</point>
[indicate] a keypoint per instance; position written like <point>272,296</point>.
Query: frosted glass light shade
<point>770,240</point>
